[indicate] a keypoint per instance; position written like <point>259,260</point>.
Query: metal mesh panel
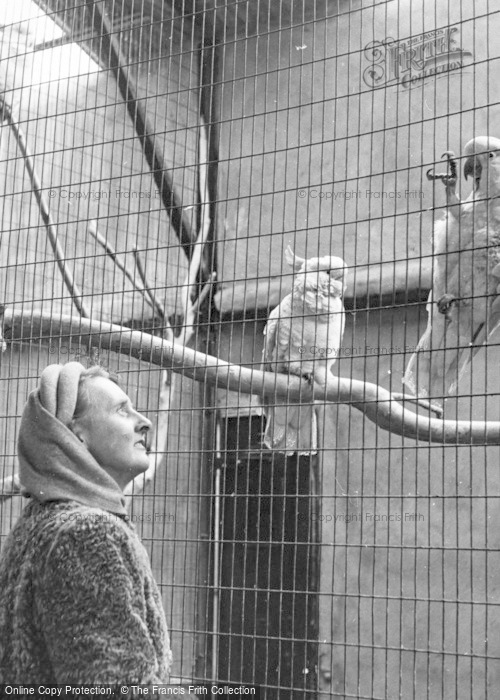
<point>157,159</point>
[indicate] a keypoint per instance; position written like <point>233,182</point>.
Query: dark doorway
<point>269,557</point>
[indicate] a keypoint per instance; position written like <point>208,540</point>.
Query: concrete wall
<point>410,566</point>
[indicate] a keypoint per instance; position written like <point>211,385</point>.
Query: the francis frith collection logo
<point>410,61</point>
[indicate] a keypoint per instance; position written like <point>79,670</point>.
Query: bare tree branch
<point>29,163</point>
<point>148,292</point>
<point>376,403</point>
<point>94,232</point>
<point>188,287</point>
<point>169,384</point>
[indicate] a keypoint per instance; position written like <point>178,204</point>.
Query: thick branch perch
<point>375,402</point>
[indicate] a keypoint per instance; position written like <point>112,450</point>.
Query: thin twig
<point>36,186</point>
<point>376,403</point>
<point>142,274</point>
<point>94,232</point>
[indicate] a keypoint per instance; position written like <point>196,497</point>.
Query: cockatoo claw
<point>430,175</point>
<point>452,162</point>
<point>444,305</point>
<point>448,179</point>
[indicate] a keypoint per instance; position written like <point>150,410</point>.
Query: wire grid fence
<point>157,158</point>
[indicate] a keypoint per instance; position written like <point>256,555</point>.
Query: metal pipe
<point>217,550</point>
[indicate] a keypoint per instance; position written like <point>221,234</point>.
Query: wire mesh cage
<point>173,172</point>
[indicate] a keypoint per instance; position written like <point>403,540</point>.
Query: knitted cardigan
<point>78,602</point>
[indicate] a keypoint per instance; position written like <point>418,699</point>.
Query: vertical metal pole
<point>216,576</point>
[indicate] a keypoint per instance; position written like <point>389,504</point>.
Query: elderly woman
<point>78,602</point>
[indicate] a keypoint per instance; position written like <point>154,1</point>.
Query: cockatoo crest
<point>308,273</point>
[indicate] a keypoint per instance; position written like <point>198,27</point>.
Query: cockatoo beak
<point>338,272</point>
<point>472,167</point>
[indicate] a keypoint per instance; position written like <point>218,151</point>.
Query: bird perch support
<point>376,403</point>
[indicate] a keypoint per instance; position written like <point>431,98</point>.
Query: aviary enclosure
<point>157,160</point>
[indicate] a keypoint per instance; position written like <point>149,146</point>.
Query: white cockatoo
<point>464,304</point>
<point>303,336</point>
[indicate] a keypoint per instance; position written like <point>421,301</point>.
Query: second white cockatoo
<point>303,336</point>
<point>464,303</point>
